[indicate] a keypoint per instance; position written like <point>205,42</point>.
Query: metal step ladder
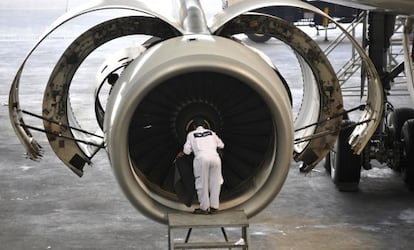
<point>221,220</point>
<point>396,50</point>
<point>354,64</point>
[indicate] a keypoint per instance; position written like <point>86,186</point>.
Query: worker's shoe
<point>213,210</point>
<point>200,211</point>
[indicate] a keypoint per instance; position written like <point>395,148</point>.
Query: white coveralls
<point>207,165</point>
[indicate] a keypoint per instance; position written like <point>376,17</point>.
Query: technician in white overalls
<point>207,166</point>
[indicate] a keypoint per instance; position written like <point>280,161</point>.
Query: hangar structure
<point>156,72</point>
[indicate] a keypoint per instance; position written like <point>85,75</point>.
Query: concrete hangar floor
<point>45,206</point>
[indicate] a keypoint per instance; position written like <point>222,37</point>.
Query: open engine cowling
<point>227,84</point>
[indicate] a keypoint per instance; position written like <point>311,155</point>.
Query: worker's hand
<point>180,154</point>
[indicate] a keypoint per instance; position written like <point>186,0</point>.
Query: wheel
<point>257,38</point>
<point>395,122</point>
<point>327,164</point>
<point>406,164</point>
<point>397,119</point>
<point>345,165</point>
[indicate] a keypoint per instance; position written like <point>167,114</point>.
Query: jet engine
<point>160,93</point>
<point>191,69</point>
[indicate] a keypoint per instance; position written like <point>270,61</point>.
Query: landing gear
<point>407,159</point>
<point>393,145</point>
<point>395,122</point>
<point>342,164</point>
<point>401,132</point>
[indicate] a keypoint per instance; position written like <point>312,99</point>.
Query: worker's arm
<point>187,146</point>
<point>220,143</point>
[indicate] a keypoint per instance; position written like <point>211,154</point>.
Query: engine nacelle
<point>221,80</point>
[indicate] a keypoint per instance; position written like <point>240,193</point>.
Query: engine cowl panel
<point>227,84</point>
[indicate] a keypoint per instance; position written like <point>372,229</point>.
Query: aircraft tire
<point>258,38</point>
<point>407,166</point>
<point>395,123</point>
<point>345,165</point>
<point>327,164</point>
<point>397,119</point>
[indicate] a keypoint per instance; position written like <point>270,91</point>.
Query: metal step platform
<point>221,220</point>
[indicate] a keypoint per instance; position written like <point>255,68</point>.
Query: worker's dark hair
<point>199,122</point>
